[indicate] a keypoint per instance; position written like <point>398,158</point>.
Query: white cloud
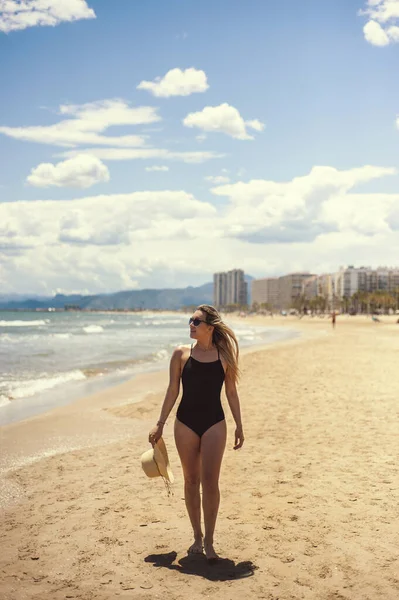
<point>223,118</point>
<point>20,14</point>
<point>86,124</point>
<point>176,83</point>
<point>82,171</point>
<point>373,218</point>
<point>217,179</point>
<point>264,211</point>
<point>145,154</point>
<point>381,10</point>
<point>102,220</point>
<point>381,29</point>
<point>103,243</point>
<point>157,168</point>
<point>375,35</point>
<point>393,33</point>
<point>255,124</point>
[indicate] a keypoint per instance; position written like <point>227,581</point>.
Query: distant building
<point>290,288</point>
<point>230,288</point>
<point>310,287</point>
<point>349,280</point>
<point>236,287</point>
<point>259,291</point>
<point>265,291</point>
<point>393,280</point>
<point>282,292</point>
<point>220,289</point>
<point>320,285</point>
<point>273,292</point>
<point>278,292</point>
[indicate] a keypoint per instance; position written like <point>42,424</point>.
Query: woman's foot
<point>197,547</point>
<point>210,553</point>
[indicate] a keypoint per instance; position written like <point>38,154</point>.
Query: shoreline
<point>143,385</point>
<point>118,398</point>
<point>74,424</point>
<point>90,420</point>
<point>70,391</point>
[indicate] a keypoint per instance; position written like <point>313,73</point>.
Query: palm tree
<point>345,301</point>
<point>359,301</point>
<point>266,306</point>
<point>299,302</point>
<point>396,295</point>
<point>355,301</point>
<point>365,302</point>
<point>390,301</point>
<point>322,301</point>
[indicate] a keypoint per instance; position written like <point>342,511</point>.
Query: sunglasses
<point>195,322</point>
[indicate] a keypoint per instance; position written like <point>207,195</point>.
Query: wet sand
<point>309,505</point>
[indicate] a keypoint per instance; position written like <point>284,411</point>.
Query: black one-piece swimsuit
<point>200,406</point>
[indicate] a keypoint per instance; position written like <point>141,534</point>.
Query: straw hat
<point>155,462</point>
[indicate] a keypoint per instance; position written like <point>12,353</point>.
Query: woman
<point>200,426</point>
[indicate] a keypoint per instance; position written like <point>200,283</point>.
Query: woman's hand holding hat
<point>155,433</point>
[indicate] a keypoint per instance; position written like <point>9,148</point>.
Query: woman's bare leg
<point>188,447</point>
<point>213,443</point>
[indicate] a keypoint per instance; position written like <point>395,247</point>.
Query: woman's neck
<point>205,347</point>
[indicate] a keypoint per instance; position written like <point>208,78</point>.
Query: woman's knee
<point>192,479</point>
<point>210,482</point>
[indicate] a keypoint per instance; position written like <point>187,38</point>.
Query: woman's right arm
<point>171,395</point>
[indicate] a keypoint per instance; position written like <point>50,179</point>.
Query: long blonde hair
<point>224,338</point>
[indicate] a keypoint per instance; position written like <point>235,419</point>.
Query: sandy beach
<point>309,506</point>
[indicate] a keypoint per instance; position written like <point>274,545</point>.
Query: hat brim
<point>162,460</point>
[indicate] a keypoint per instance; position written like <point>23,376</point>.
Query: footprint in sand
<point>325,572</point>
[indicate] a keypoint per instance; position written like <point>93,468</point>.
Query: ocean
<point>50,358</point>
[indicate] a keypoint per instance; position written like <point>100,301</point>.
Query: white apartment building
<point>350,280</point>
<point>393,280</point>
<point>347,281</point>
<point>282,292</point>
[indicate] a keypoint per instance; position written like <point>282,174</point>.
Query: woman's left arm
<point>234,403</point>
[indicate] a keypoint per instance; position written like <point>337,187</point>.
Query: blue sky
<point>281,155</point>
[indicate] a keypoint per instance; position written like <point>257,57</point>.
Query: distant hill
<point>168,299</point>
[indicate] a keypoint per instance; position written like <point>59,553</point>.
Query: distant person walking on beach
<point>200,426</point>
<point>333,318</point>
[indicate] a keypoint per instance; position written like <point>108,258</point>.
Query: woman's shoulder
<point>181,351</point>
